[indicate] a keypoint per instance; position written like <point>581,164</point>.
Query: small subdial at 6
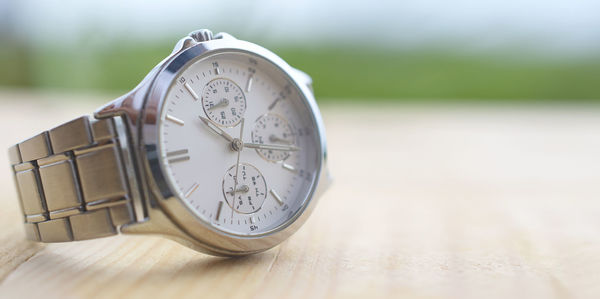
<point>272,128</point>
<point>224,102</point>
<point>250,192</point>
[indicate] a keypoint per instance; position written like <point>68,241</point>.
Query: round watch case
<point>201,235</point>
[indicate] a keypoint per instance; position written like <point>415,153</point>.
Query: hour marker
<point>274,103</point>
<point>276,196</point>
<point>192,92</point>
<point>175,119</point>
<point>252,220</point>
<point>219,208</point>
<point>177,153</point>
<point>288,167</point>
<point>249,84</point>
<point>217,71</point>
<point>180,159</point>
<point>191,190</point>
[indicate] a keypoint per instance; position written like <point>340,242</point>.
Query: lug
<point>159,224</point>
<point>303,77</point>
<point>324,182</point>
<point>182,44</point>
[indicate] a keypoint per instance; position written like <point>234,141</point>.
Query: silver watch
<point>221,147</point>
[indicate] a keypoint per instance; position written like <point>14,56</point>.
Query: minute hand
<point>216,129</point>
<point>275,147</point>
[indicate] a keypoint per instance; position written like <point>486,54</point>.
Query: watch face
<point>238,143</point>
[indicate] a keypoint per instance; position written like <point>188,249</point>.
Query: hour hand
<point>209,124</point>
<point>239,189</point>
<point>275,147</point>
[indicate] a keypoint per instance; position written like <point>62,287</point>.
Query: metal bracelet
<point>71,182</point>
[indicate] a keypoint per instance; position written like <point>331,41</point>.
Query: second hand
<point>237,166</point>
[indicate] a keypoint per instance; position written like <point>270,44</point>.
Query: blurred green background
<point>415,50</point>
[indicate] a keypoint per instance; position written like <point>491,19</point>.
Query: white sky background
<point>555,27</point>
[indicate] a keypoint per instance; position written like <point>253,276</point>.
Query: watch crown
<point>201,35</point>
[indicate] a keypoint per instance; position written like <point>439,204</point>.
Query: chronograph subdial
<point>224,102</point>
<point>272,128</point>
<point>250,192</point>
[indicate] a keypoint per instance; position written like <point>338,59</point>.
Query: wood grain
<point>429,201</point>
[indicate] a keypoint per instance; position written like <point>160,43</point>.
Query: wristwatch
<point>221,147</point>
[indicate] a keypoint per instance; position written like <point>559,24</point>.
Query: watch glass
<point>238,143</point>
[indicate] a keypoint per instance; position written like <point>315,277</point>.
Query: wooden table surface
<point>429,201</point>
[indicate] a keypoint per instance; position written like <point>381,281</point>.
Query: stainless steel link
<point>71,182</point>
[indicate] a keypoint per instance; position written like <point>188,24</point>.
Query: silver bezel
<point>202,235</point>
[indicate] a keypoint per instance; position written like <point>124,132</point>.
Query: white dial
<point>273,129</point>
<point>223,102</point>
<point>237,108</point>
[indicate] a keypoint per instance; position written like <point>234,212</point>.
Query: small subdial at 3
<point>251,189</point>
<point>272,128</point>
<point>224,102</point>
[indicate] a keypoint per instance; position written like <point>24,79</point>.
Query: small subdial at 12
<point>251,189</point>
<point>224,102</point>
<point>272,128</point>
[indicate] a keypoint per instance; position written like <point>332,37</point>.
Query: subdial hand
<point>274,138</point>
<point>275,147</point>
<point>222,103</point>
<point>215,129</point>
<point>237,170</point>
<point>240,189</point>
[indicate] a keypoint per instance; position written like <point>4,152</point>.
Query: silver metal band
<point>71,182</point>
